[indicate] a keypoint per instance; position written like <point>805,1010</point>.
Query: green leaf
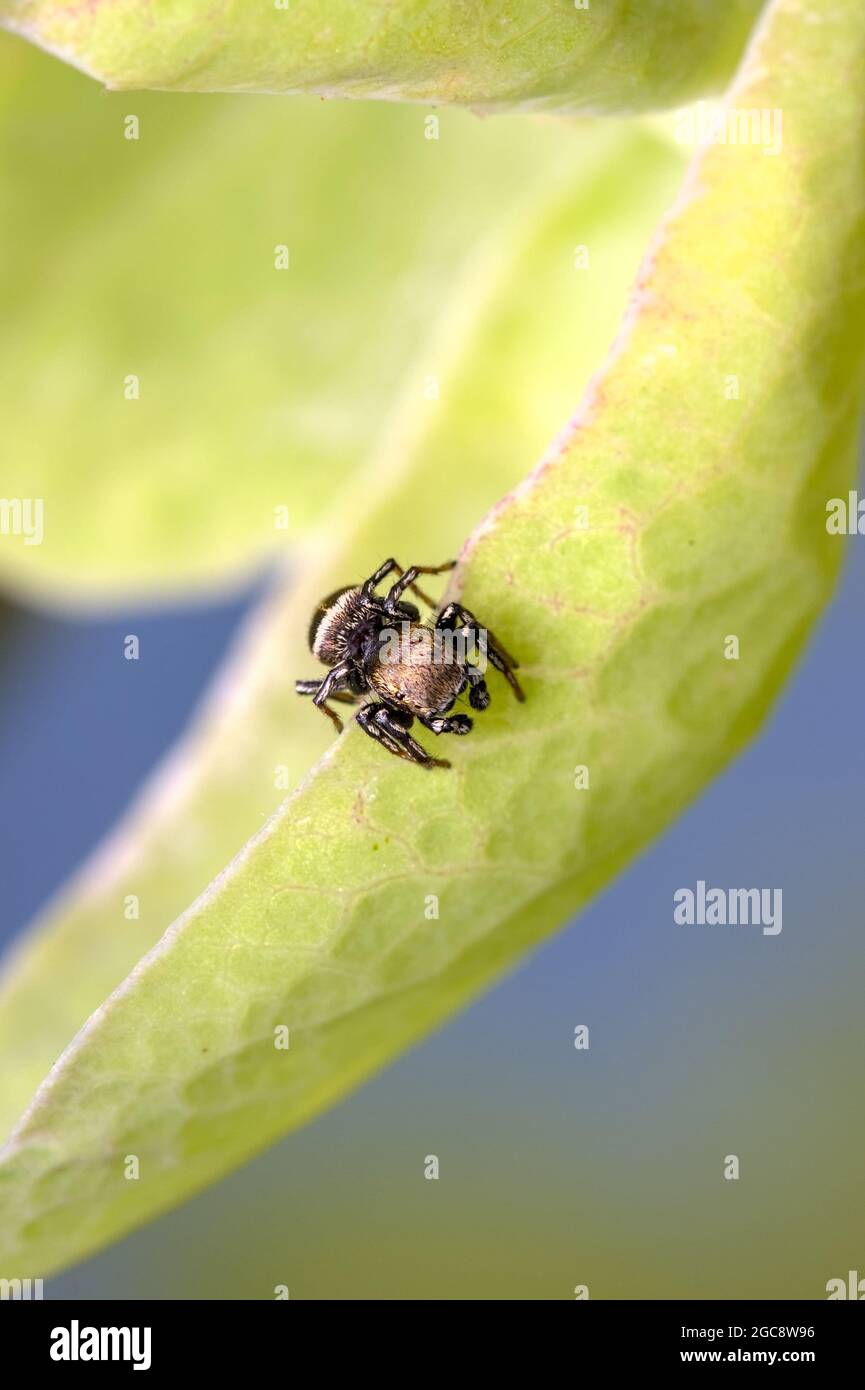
<point>517,336</point>
<point>494,54</point>
<point>258,389</point>
<point>706,519</point>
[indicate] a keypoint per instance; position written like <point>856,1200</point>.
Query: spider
<point>350,631</point>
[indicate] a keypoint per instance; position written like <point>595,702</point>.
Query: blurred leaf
<point>706,512</point>
<point>513,344</point>
<point>259,389</point>
<point>562,55</point>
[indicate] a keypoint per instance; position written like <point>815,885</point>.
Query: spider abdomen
<point>418,683</point>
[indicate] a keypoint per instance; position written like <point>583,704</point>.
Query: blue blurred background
<point>558,1167</point>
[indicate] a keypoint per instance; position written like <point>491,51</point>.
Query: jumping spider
<point>348,631</point>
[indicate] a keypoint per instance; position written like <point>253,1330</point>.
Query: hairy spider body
<point>416,682</point>
<point>338,622</point>
<point>376,645</point>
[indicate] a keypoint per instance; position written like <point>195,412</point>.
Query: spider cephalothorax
<point>376,646</point>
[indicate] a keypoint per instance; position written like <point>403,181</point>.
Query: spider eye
<point>322,611</point>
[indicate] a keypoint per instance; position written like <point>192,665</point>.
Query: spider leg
<point>333,684</point>
<point>345,697</point>
<point>479,696</point>
<point>391,567</point>
<point>456,617</point>
<point>407,579</point>
<point>446,724</point>
<point>390,727</point>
